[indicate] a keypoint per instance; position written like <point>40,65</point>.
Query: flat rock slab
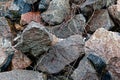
<point>21,75</point>
<point>105,44</point>
<point>61,54</point>
<point>34,40</point>
<point>100,19</point>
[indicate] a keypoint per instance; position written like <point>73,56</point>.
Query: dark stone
<point>98,63</point>
<point>24,7</point>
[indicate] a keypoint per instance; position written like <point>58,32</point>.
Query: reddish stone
<point>30,16</point>
<point>104,43</point>
<point>20,61</point>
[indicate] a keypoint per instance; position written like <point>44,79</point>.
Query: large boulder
<point>75,25</point>
<point>61,54</point>
<point>21,75</point>
<point>57,11</point>
<point>35,40</point>
<point>30,1</point>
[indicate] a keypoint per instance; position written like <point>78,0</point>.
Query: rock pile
<point>60,40</point>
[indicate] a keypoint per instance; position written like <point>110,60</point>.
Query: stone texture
<point>30,1</point>
<point>114,11</point>
<point>57,11</point>
<point>34,39</point>
<point>105,44</point>
<point>114,67</point>
<point>44,4</point>
<point>84,71</point>
<point>30,16</point>
<point>20,61</point>
<point>74,26</point>
<point>100,19</point>
<point>61,54</point>
<point>21,75</point>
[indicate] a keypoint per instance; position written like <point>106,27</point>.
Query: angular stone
<point>114,11</point>
<point>34,39</point>
<point>20,61</point>
<point>30,1</point>
<point>61,54</point>
<point>23,7</point>
<point>114,67</point>
<point>100,19</point>
<point>85,71</point>
<point>74,26</point>
<point>30,16</point>
<point>105,44</point>
<point>57,11</point>
<point>21,75</point>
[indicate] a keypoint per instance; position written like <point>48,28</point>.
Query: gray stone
<point>100,19</point>
<point>57,11</point>
<point>61,54</point>
<point>34,39</point>
<point>85,71</point>
<point>30,1</point>
<point>74,26</point>
<point>21,75</point>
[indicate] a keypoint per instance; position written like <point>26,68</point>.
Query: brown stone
<point>20,61</point>
<point>30,16</point>
<point>100,19</point>
<point>105,44</point>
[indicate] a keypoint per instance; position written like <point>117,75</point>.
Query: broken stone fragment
<point>57,11</point>
<point>30,16</point>
<point>85,71</point>
<point>35,39</point>
<point>74,26</point>
<point>21,75</point>
<point>105,44</point>
<point>61,54</point>
<point>20,61</point>
<point>100,19</point>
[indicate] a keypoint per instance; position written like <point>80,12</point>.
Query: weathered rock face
<point>23,7</point>
<point>114,11</point>
<point>34,39</point>
<point>100,19</point>
<point>85,71</point>
<point>21,75</point>
<point>114,68</point>
<point>30,1</point>
<point>57,11</point>
<point>105,44</point>
<point>61,54</point>
<point>74,26</point>
<point>43,5</point>
<point>30,16</point>
<point>20,61</point>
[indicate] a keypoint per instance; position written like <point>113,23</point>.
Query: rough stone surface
<point>114,67</point>
<point>105,44</point>
<point>100,19</point>
<point>34,39</point>
<point>84,71</point>
<point>20,61</point>
<point>73,26</point>
<point>61,54</point>
<point>57,11</point>
<point>30,16</point>
<point>114,11</point>
<point>21,75</point>
<point>30,1</point>
<point>43,5</point>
